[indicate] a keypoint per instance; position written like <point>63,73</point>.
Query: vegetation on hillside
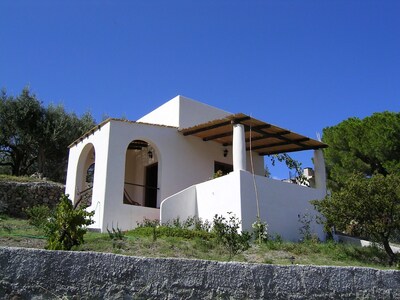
<point>64,227</point>
<point>34,138</point>
<point>177,240</point>
<point>11,178</point>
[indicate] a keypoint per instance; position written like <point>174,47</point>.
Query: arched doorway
<point>141,174</point>
<point>85,176</point>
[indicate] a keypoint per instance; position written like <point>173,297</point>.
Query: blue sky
<point>301,65</point>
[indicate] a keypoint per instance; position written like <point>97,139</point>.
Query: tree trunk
<point>17,158</point>
<point>15,171</point>
<point>41,160</point>
<point>389,251</point>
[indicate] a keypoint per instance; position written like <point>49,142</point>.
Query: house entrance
<point>141,174</point>
<point>151,185</point>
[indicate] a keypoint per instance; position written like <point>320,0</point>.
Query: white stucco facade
<point>182,112</point>
<point>142,166</point>
<point>182,162</point>
<point>281,203</point>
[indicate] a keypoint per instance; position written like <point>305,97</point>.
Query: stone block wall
<point>15,197</point>
<point>41,274</point>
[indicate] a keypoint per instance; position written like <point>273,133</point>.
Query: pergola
<point>259,136</point>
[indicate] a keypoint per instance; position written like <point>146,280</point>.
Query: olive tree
<point>367,207</point>
<point>20,120</point>
<point>35,138</point>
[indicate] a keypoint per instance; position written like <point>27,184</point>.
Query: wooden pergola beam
<point>292,150</point>
<point>278,144</point>
<point>264,135</point>
<point>214,126</point>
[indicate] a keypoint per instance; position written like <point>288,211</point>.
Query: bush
<point>260,231</point>
<point>67,226</point>
<point>190,228</point>
<point>201,225</point>
<point>193,223</point>
<point>150,224</point>
<point>117,237</point>
<point>227,234</point>
<point>38,215</point>
<point>4,227</point>
<point>306,221</point>
<point>115,234</point>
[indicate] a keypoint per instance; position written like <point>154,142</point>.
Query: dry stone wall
<point>41,274</point>
<point>15,197</point>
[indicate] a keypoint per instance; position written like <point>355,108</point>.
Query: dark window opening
<point>151,185</point>
<point>90,175</point>
<point>222,168</point>
<point>85,196</point>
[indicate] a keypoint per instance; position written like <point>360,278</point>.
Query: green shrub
<point>67,225</point>
<point>260,231</point>
<point>148,223</point>
<point>227,234</point>
<point>201,225</point>
<point>306,221</point>
<point>192,223</point>
<point>4,226</point>
<point>152,225</point>
<point>190,228</point>
<point>117,237</point>
<point>115,234</point>
<point>38,215</point>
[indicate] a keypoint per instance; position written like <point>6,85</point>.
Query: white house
<point>161,167</point>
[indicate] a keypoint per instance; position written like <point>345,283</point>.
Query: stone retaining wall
<point>41,274</point>
<point>17,196</point>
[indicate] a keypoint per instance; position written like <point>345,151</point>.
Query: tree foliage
<point>67,225</point>
<point>363,167</point>
<point>58,130</point>
<point>20,120</point>
<point>370,145</point>
<point>290,163</point>
<point>34,138</point>
<point>226,231</point>
<point>367,207</point>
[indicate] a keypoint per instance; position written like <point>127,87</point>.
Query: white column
<point>239,148</point>
<point>319,170</point>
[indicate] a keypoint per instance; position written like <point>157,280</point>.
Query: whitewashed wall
<point>99,141</point>
<point>280,203</point>
<point>183,112</point>
<point>186,200</point>
<point>182,162</point>
<point>219,196</point>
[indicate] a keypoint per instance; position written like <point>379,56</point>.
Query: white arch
<point>86,159</point>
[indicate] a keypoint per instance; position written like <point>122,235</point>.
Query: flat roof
<point>261,137</point>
